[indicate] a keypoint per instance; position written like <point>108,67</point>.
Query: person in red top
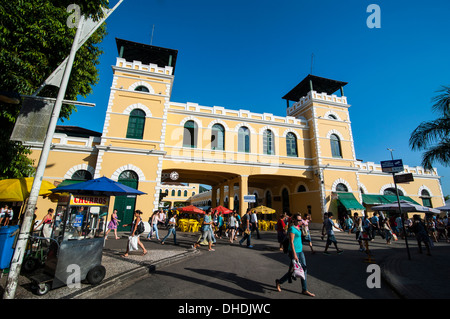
<point>281,229</point>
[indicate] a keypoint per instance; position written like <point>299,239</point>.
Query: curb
<point>105,288</point>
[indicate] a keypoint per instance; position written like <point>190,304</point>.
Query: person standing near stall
<point>47,222</point>
<point>135,233</point>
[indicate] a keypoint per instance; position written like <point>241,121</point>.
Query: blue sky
<point>266,46</point>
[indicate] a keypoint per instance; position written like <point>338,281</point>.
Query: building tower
<point>333,158</point>
<point>132,150</point>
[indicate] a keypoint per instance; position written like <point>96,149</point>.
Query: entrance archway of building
<point>125,205</point>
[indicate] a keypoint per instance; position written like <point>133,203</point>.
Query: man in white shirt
<point>254,222</point>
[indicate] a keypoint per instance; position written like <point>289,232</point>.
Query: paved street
<point>233,272</point>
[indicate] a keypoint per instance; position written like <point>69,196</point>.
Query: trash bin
<point>6,245</point>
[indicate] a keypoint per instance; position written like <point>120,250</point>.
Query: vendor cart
<point>76,244</point>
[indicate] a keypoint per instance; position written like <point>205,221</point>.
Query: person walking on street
<point>358,230</point>
<point>367,227</point>
<point>112,225</point>
<point>254,224</point>
<point>134,233</point>
<point>419,229</point>
<point>220,224</point>
<point>246,226</point>
<point>207,233</point>
<point>306,234</point>
<point>232,223</point>
<point>172,225</point>
<point>295,252</point>
<point>281,229</point>
<point>154,220</point>
<point>328,226</point>
<point>387,230</point>
<point>348,224</point>
<point>375,224</point>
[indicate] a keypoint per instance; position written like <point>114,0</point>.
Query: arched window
<point>426,198</point>
<point>173,192</point>
<point>291,145</point>
<point>335,146</point>
<point>179,193</point>
<point>136,124</point>
<point>391,191</point>
<point>142,88</point>
<point>190,134</point>
<point>82,175</point>
<point>341,188</point>
<point>301,189</point>
<point>218,137</point>
<point>185,193</point>
<point>128,175</point>
<point>244,140</point>
<point>332,117</point>
<point>268,147</point>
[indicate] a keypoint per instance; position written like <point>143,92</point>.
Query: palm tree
<point>434,136</point>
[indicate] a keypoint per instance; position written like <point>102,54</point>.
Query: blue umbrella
<point>98,186</point>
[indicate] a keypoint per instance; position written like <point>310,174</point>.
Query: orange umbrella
<point>191,209</point>
<point>222,209</point>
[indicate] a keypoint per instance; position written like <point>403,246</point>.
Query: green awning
<point>393,199</point>
<point>384,199</point>
<point>375,199</point>
<point>70,182</point>
<point>349,201</point>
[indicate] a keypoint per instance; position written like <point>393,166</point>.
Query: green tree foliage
<point>434,136</point>
<point>34,41</point>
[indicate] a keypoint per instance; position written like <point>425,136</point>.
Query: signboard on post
<point>249,198</point>
<point>393,166</point>
<point>404,178</point>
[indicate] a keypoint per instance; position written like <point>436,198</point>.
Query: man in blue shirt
<point>328,225</point>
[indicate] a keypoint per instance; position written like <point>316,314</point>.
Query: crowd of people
<point>293,232</point>
<point>6,215</point>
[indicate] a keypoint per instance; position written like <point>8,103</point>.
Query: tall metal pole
<point>400,209</point>
<point>17,259</point>
<point>401,215</point>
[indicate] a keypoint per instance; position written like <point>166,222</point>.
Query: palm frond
<point>439,153</point>
<point>442,101</point>
<point>428,133</point>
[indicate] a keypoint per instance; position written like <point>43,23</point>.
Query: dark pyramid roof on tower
<point>319,84</point>
<point>145,53</point>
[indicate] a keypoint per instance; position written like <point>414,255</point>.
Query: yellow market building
<point>303,162</point>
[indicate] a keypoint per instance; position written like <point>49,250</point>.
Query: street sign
<point>404,178</point>
<point>249,198</point>
<point>394,166</point>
